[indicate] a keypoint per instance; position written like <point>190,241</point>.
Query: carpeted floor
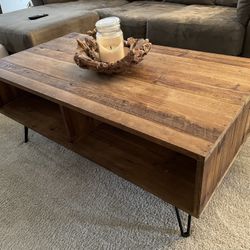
<point>51,198</point>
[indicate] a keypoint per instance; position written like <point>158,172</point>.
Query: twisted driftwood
<point>87,55</point>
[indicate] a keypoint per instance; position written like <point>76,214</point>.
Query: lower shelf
<point>165,173</point>
<point>38,114</point>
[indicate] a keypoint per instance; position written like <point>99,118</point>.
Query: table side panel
<point>218,163</point>
<point>247,130</point>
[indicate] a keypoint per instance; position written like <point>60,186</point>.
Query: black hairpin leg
<point>26,132</point>
<point>187,232</point>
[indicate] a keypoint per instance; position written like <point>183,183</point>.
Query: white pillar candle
<point>110,39</point>
<point>111,49</point>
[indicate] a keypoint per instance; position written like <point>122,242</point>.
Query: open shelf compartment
<point>161,171</point>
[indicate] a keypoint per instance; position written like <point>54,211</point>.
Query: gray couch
<point>208,25</point>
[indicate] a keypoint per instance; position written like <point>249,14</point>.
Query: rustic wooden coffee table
<point>172,125</point>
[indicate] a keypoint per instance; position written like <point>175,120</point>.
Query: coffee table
<point>172,125</point>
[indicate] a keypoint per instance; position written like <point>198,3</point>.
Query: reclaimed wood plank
<point>219,161</point>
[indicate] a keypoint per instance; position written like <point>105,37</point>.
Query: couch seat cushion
<point>230,3</point>
<point>134,16</point>
<point>95,4</point>
<point>56,1</point>
<point>243,11</point>
<point>3,51</point>
<point>206,28</point>
<point>17,32</point>
<point>206,2</point>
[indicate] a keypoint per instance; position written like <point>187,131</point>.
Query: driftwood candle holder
<point>87,55</point>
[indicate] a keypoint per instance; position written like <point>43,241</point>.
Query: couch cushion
<point>188,2</point>
<point>206,28</point>
<point>230,3</point>
<point>95,4</point>
<point>134,16</point>
<point>246,50</point>
<point>56,1</point>
<point>63,18</point>
<point>206,2</point>
<point>243,11</point>
<point>3,51</point>
<point>37,2</point>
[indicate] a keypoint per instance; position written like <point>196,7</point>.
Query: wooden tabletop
<point>181,99</point>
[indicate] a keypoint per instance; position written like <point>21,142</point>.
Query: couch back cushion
<point>230,3</point>
<point>243,11</point>
<point>37,2</point>
<point>56,1</point>
<point>206,2</point>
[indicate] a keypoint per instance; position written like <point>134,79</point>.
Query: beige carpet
<point>51,198</point>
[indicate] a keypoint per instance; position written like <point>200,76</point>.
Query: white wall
<point>12,5</point>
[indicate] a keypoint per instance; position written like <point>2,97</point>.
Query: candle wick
<point>110,47</point>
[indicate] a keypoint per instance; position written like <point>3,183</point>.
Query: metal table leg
<point>187,232</point>
<point>26,133</point>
